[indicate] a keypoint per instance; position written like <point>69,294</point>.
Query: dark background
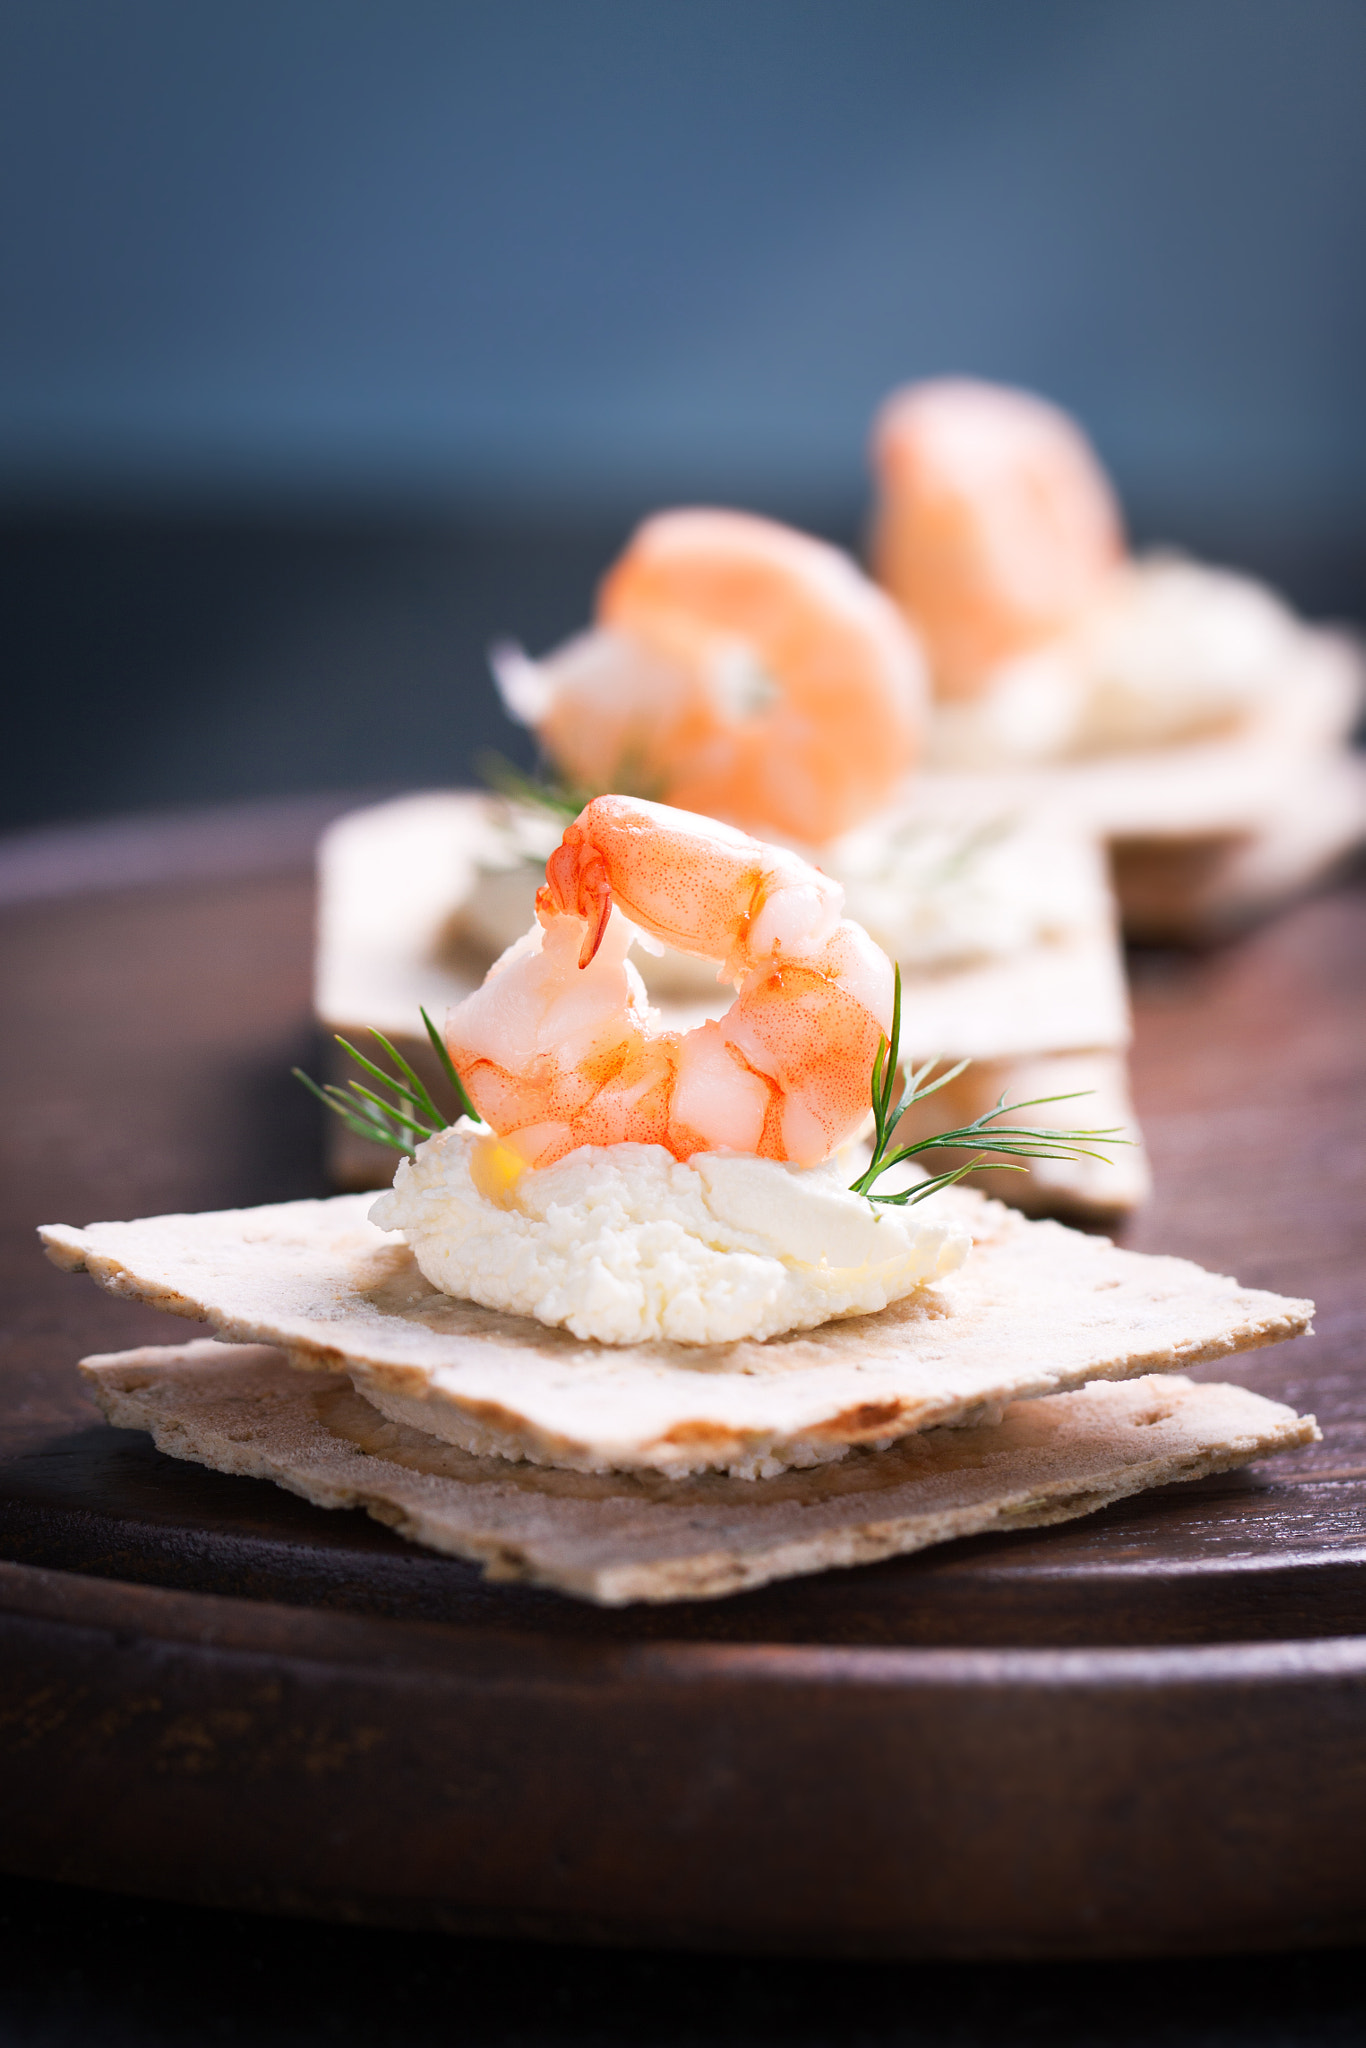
<point>82,1971</point>
<point>337,337</point>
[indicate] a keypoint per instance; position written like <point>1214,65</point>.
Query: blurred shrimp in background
<point>997,529</point>
<point>737,668</point>
<point>1187,716</point>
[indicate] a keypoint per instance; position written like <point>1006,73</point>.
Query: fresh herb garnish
<point>545,791</point>
<point>534,792</point>
<point>1000,1148</point>
<point>409,1115</point>
<point>960,858</point>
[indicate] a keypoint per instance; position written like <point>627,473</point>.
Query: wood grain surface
<point>1141,1732</point>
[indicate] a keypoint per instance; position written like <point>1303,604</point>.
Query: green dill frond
<point>405,1114</point>
<point>563,801</point>
<point>992,1144</point>
<point>535,792</point>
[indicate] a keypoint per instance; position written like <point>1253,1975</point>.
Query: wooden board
<point>1139,1733</point>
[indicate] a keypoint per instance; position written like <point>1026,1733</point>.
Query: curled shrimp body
<point>738,668</point>
<point>559,1048</point>
<point>996,527</point>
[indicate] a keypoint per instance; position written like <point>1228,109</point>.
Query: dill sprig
<point>534,792</point>
<point>961,857</point>
<point>409,1114</point>
<point>1000,1148</point>
<point>544,791</point>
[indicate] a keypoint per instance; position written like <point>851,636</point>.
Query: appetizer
<point>690,1266</point>
<point>1181,711</point>
<point>744,669</point>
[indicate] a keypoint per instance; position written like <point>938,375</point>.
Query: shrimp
<point>738,668</point>
<point>996,527</point>
<point>559,1047</point>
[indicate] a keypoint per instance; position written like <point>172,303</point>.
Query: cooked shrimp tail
<point>577,885</point>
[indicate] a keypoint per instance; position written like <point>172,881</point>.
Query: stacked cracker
<point>615,1473</point>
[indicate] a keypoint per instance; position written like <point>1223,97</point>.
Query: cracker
<point>393,877</point>
<point>1198,889</point>
<point>624,1538</point>
<point>1036,1309</point>
<point>390,879</point>
<point>1062,995</point>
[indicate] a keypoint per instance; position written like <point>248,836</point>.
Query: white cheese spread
<point>1179,649</point>
<point>624,1243</point>
<point>1174,650</point>
<point>936,892</point>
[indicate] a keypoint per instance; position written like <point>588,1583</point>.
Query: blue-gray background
<point>337,336</point>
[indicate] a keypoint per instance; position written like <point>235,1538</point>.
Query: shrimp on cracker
<point>737,668</point>
<point>996,527</point>
<point>559,1047</point>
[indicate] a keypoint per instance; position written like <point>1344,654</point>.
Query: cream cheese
<point>936,891</point>
<point>1180,649</point>
<point>624,1243</point>
<point>1175,650</point>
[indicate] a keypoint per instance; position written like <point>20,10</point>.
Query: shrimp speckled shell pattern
<point>559,1048</point>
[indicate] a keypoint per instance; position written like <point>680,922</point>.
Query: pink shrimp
<point>559,1047</point>
<point>996,527</point>
<point>738,668</point>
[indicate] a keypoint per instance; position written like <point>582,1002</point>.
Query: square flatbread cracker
<point>1065,994</point>
<point>1192,890</point>
<point>1036,1309</point>
<point>394,880</point>
<point>624,1537</point>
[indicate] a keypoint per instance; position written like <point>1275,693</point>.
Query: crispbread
<point>1036,1309</point>
<point>1195,889</point>
<point>632,1537</point>
<point>1065,994</point>
<point>393,877</point>
<point>390,878</point>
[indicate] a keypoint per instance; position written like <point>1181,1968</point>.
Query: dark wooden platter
<point>1142,1733</point>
